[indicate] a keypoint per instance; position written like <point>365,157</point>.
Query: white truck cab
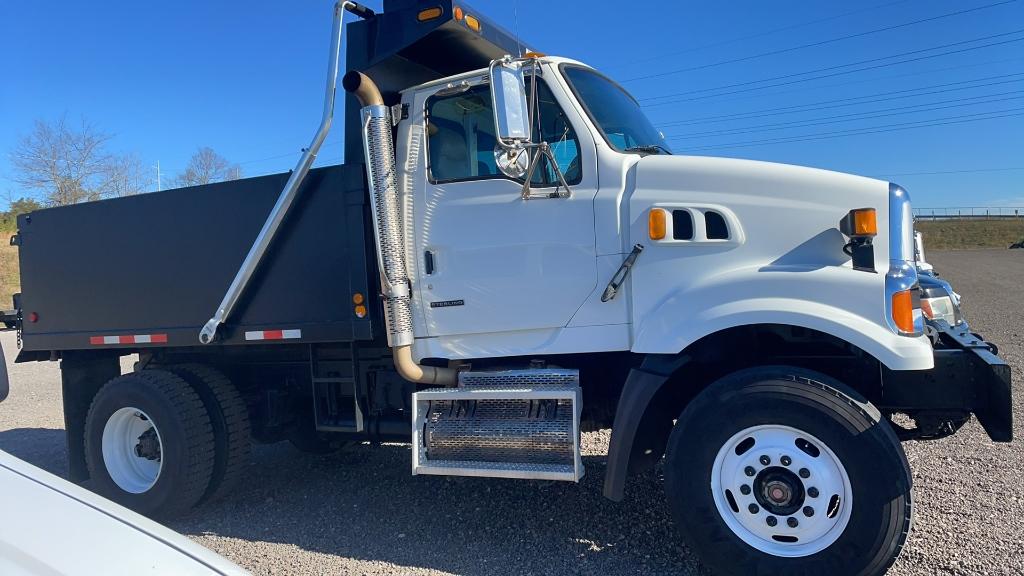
<point>744,241</point>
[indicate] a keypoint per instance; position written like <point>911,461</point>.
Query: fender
<point>828,299</point>
<point>638,391</point>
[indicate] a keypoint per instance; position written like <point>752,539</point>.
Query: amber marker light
<point>656,224</point>
<point>458,13</point>
<point>360,311</point>
<point>358,298</point>
<point>429,14</point>
<point>473,23</point>
<point>860,223</point>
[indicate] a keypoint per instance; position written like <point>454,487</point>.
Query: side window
<point>460,135</point>
<point>461,142</point>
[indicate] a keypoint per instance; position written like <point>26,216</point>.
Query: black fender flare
<point>640,388</point>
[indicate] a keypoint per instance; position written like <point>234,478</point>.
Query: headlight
<point>937,302</point>
<point>940,308</point>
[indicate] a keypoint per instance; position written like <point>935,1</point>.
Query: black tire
<point>229,417</point>
<point>186,437</point>
<point>849,425</point>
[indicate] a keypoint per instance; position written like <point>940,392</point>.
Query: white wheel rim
<point>774,491</point>
<point>132,456</point>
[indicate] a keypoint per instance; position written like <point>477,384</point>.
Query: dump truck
<point>508,256</point>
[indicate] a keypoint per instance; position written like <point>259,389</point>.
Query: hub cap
<point>132,451</point>
<point>796,506</point>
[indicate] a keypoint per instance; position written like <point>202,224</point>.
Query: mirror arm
<point>544,149</point>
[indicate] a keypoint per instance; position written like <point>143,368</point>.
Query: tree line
<point>60,163</point>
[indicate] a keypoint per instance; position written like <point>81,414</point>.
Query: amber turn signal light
<point>656,224</point>
<point>860,223</point>
<point>903,311</point>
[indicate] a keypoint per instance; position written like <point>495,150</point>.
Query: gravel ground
<point>361,512</point>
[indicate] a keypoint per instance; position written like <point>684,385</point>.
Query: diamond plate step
<point>508,424</point>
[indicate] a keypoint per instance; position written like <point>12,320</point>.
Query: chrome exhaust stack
<point>385,204</point>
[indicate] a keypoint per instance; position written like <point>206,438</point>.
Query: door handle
<point>428,262</point>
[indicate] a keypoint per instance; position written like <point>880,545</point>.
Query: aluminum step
<point>508,424</point>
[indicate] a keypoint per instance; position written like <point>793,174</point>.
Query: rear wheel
<point>149,443</point>
<point>777,470</point>
<point>229,417</point>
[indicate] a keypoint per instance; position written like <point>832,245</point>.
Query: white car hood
<point>50,527</point>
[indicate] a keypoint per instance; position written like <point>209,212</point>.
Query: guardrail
<point>969,213</point>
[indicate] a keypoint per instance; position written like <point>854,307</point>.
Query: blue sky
<point>247,79</point>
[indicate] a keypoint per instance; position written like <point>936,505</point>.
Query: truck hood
<point>780,212</point>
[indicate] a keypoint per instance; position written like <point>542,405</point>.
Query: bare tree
<point>65,164</point>
<point>207,166</point>
<point>125,175</point>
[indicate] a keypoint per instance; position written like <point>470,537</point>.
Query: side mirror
<point>516,155</point>
<point>508,98</point>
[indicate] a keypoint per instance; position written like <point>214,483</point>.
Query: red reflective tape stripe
<point>127,339</point>
<point>159,339</point>
<point>95,339</point>
<point>273,334</point>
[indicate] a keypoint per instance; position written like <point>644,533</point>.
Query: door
<point>489,260</point>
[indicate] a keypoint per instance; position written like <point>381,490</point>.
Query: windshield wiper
<point>649,149</point>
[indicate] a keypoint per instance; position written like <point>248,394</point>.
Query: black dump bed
<point>150,270</point>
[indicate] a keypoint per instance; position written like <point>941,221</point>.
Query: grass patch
<point>967,234</point>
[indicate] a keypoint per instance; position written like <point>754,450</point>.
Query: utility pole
<point>158,187</point>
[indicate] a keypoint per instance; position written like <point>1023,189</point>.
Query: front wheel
<point>777,470</point>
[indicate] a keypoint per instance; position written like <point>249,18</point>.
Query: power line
<point>853,117</point>
<point>966,171</point>
<point>819,43</point>
<point>804,90</point>
<point>828,68</point>
<point>843,102</point>
<point>767,33</point>
<point>1012,112</point>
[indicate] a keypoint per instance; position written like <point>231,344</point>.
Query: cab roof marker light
<point>472,23</point>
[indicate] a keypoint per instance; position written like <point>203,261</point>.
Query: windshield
<point>615,112</point>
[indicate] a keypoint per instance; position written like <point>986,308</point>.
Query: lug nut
<point>805,473</point>
<point>786,460</point>
<point>745,490</point>
<point>808,511</point>
<point>771,520</point>
<point>753,509</point>
<point>765,460</point>
<point>749,471</point>
<point>792,522</point>
<point>812,492</point>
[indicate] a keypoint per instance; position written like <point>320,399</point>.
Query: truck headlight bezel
<point>903,316</point>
